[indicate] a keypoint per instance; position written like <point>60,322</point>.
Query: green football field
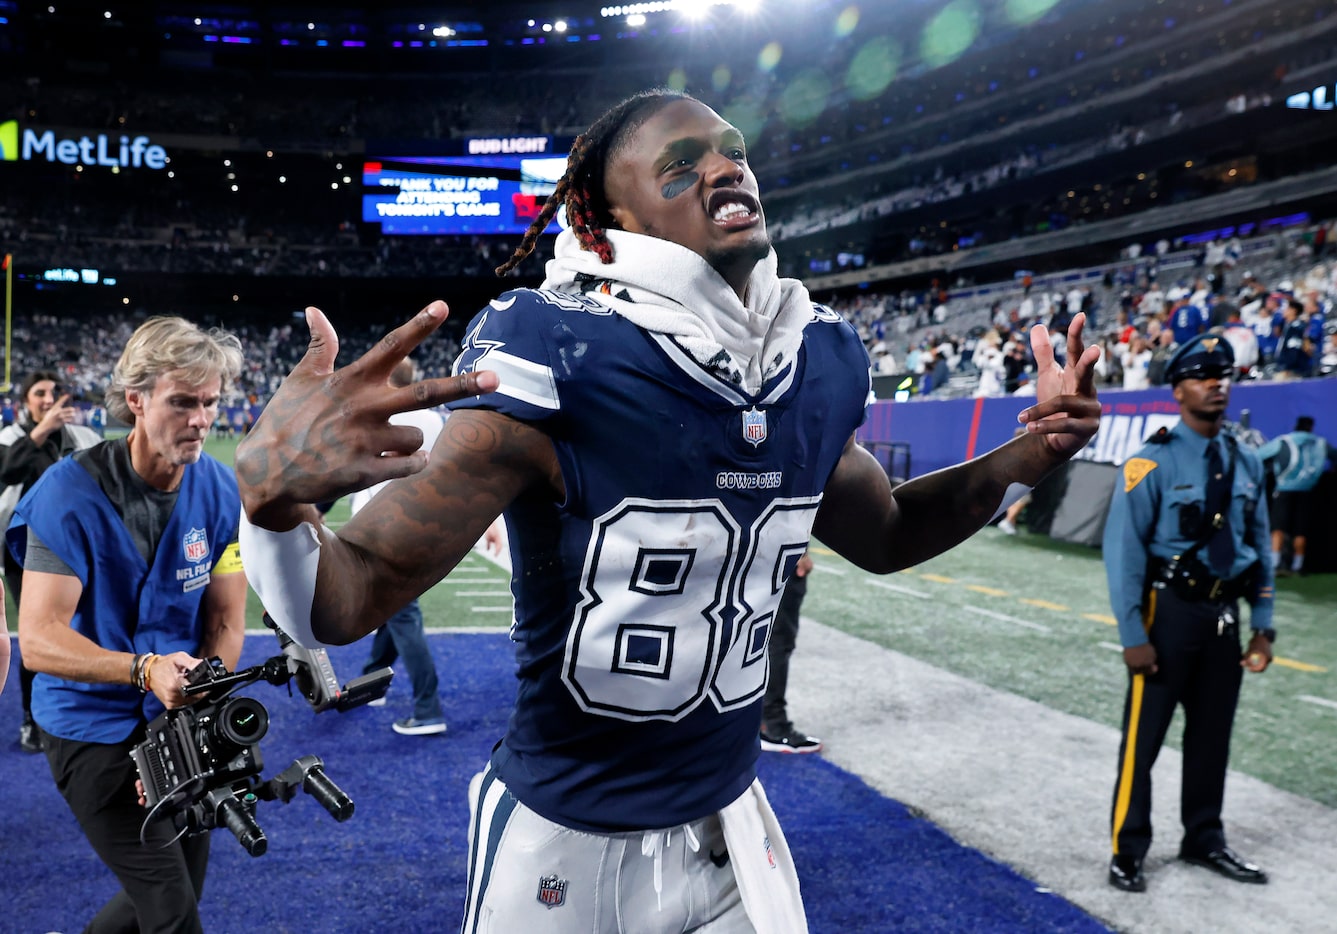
<point>1025,615</point>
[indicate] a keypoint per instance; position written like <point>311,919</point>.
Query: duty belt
<point>1190,579</point>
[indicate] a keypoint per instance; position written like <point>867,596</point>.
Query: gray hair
<point>164,345</point>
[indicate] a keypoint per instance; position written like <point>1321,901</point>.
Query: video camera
<point>200,764</point>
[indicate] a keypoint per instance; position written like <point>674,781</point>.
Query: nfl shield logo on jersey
<point>754,426</point>
<point>552,891</point>
<point>196,544</point>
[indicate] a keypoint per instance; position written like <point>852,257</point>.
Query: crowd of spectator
<point>919,123</point>
<point>1278,320</point>
<point>1276,314</point>
<point>83,352</point>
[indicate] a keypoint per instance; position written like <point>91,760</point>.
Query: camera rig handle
<point>307,773</point>
<point>316,678</point>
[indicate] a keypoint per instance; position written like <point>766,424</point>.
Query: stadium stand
<point>944,183</point>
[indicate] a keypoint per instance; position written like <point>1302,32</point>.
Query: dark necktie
<point>1221,546</point>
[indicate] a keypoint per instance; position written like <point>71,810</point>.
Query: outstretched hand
<point>1067,412</point>
<point>326,432</point>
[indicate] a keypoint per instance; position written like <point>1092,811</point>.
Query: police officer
<point>1186,538</point>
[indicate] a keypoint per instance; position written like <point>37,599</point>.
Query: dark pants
<point>784,634</point>
<point>1199,668</point>
<point>14,584</point>
<point>402,637</point>
<point>161,881</point>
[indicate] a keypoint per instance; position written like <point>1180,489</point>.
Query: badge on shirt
<point>754,426</point>
<point>1134,470</point>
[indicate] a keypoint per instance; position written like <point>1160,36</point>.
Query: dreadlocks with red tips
<point>581,187</point>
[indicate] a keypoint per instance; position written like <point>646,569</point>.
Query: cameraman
<point>44,432</point>
<point>131,577</point>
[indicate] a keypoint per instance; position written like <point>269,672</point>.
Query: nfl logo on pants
<point>552,891</point>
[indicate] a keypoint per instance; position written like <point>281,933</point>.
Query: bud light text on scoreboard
<point>492,145</point>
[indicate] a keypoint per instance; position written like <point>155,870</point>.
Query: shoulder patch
<point>1135,469</point>
<point>822,313</point>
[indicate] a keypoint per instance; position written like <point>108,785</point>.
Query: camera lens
<point>243,721</point>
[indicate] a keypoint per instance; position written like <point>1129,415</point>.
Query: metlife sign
<point>121,152</point>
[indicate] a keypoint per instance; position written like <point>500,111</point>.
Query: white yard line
<point>896,588</point>
<point>1007,619</point>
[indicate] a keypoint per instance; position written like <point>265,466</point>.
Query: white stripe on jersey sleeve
<point>521,379</point>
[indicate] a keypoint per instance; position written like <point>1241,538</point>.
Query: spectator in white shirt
<point>1136,363</point>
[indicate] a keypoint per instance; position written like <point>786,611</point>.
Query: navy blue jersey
<point>643,602</point>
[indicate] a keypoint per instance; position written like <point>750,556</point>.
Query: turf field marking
<point>1101,618</point>
<point>453,579</point>
<point>493,609</point>
<point>483,593</point>
<point>1007,619</point>
<point>1321,701</point>
<point>837,572</point>
<point>1045,605</point>
<point>1111,646</point>
<point>938,578</point>
<point>988,591</point>
<point>898,589</point>
<point>1299,666</point>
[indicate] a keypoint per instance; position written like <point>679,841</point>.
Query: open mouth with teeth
<point>732,209</point>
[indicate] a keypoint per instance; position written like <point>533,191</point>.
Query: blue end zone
<point>866,863</point>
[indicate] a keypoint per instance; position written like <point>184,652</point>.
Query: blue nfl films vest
<point>643,602</point>
<point>126,605</point>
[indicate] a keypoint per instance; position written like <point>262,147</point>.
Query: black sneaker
<point>791,740</point>
<point>415,727</point>
<point>29,739</point>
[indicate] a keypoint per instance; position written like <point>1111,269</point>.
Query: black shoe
<point>790,740</point>
<point>29,739</point>
<point>1126,874</point>
<point>1228,863</point>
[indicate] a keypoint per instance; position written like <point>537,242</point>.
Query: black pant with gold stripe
<point>1198,663</point>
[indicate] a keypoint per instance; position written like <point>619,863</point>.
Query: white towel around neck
<point>674,291</point>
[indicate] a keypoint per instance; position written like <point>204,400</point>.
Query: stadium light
<point>692,9</point>
<point>636,19</point>
<point>560,25</point>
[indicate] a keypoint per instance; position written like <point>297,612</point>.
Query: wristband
<point>144,674</point>
<point>281,569</point>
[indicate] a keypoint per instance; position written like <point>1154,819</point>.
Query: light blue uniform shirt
<point>1166,477</point>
